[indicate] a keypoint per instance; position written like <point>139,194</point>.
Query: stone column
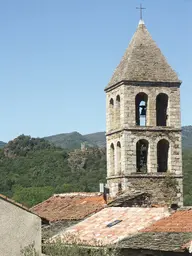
<point>153,157</point>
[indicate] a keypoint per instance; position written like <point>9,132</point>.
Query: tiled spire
<point>143,61</point>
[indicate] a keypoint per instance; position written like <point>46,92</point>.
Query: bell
<point>143,111</point>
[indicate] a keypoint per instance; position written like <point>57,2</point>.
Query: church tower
<point>143,129</point>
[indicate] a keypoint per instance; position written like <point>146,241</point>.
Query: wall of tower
<point>152,181</point>
<point>162,189</point>
<point>153,137</point>
<point>122,114</point>
<point>122,128</point>
<point>115,109</point>
<point>173,109</point>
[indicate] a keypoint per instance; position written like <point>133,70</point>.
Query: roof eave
<point>110,87</point>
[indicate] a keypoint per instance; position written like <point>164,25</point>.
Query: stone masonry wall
<point>127,95</point>
<point>122,128</point>
<point>128,140</point>
<point>173,110</point>
<point>164,189</point>
<point>115,113</point>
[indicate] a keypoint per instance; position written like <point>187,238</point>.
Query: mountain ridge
<point>74,140</point>
<point>98,139</point>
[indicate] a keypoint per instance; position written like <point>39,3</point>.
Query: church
<point>144,213</point>
<point>143,124</point>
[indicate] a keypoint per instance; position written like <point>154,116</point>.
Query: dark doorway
<point>141,109</point>
<point>162,155</point>
<point>161,109</point>
<point>142,155</point>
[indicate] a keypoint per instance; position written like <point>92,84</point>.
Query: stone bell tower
<point>143,129</point>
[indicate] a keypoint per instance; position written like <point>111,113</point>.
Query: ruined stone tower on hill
<point>143,124</point>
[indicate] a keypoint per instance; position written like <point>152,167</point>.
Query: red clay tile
<point>94,230</point>
<point>180,221</point>
<point>70,206</point>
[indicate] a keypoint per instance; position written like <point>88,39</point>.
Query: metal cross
<point>141,11</point>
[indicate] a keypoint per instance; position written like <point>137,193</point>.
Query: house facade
<point>20,228</point>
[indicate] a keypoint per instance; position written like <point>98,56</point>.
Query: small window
<point>111,102</point>
<point>118,101</point>
<point>161,109</point>
<point>141,100</point>
<point>113,223</point>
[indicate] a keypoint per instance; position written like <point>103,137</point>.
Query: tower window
<point>118,112</point>
<point>162,155</point>
<point>161,109</point>
<point>118,101</point>
<point>111,102</point>
<point>112,159</point>
<point>141,109</point>
<point>142,155</point>
<point>111,114</point>
<point>118,158</point>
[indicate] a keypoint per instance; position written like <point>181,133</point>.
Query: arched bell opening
<point>141,109</point>
<point>118,101</point>
<point>161,109</point>
<point>111,103</point>
<point>162,155</point>
<point>118,111</point>
<point>112,160</point>
<point>118,158</point>
<point>142,155</point>
<point>111,113</point>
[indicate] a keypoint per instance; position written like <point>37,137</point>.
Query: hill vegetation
<point>32,169</point>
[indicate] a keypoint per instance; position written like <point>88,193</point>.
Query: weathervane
<point>141,11</point>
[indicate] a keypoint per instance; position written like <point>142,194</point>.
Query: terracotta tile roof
<point>180,221</point>
<point>70,206</point>
<point>94,230</point>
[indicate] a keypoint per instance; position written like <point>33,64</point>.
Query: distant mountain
<point>2,144</point>
<point>74,140</point>
<point>97,138</point>
<point>187,137</point>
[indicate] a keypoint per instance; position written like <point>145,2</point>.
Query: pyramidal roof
<point>143,61</point>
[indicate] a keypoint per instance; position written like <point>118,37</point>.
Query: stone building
<point>20,228</point>
<point>143,129</point>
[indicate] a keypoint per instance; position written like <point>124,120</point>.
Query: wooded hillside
<point>33,169</point>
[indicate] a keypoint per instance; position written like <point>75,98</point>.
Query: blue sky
<point>56,57</point>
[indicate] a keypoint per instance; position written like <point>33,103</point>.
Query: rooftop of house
<point>111,225</point>
<point>143,61</point>
<point>172,233</point>
<point>158,241</point>
<point>70,206</point>
<point>179,221</point>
